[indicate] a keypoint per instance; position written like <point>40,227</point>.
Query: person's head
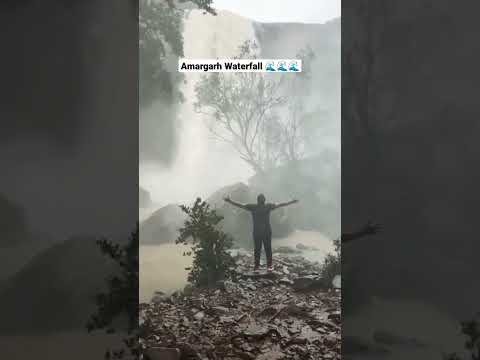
<point>261,199</point>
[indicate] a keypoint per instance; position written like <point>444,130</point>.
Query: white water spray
<point>202,165</point>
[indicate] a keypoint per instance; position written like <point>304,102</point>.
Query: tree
<point>211,261</point>
<point>160,37</point>
<point>121,300</point>
<point>241,109</point>
<point>245,110</point>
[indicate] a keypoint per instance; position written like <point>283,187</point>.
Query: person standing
<point>262,230</point>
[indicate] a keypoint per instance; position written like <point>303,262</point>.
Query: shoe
<point>256,269</point>
<point>270,268</point>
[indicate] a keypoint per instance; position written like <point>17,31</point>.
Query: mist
<point>193,163</point>
<point>196,164</point>
<point>69,162</point>
<point>59,140</point>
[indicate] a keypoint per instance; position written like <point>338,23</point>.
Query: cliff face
<point>409,87</point>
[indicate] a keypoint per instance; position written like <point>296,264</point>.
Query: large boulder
<point>162,226</point>
<point>144,199</point>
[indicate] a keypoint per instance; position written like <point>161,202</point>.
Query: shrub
<point>121,298</point>
<point>332,263</point>
<point>471,329</point>
<point>211,261</point>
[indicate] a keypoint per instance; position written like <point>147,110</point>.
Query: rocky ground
<point>287,314</point>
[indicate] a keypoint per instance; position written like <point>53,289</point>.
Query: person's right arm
<point>234,203</point>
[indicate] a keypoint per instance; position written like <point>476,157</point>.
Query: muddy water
<point>312,239</point>
<point>162,267</point>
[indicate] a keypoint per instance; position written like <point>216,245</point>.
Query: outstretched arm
<point>285,204</point>
<point>369,229</point>
<point>234,203</point>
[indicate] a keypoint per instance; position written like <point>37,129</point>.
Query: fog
<point>68,159</point>
<point>193,169</point>
<point>311,11</point>
<point>195,164</point>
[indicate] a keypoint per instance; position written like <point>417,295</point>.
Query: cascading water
<point>201,164</point>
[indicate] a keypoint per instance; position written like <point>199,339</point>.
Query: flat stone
<point>271,355</point>
<point>163,353</point>
<point>199,315</point>
<point>285,281</point>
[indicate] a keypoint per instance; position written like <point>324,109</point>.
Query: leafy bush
<point>211,261</point>
<point>471,329</point>
<point>122,296</point>
<point>332,263</point>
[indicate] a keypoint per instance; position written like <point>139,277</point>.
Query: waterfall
<point>201,164</point>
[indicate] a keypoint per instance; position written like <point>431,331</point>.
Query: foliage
<point>332,263</point>
<point>211,261</point>
<point>122,296</point>
<point>244,110</point>
<point>159,33</point>
<point>471,329</point>
<point>160,37</point>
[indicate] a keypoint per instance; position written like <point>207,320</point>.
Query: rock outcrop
<point>144,199</point>
<point>162,226</point>
<point>252,316</point>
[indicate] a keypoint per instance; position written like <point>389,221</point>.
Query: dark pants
<point>266,240</point>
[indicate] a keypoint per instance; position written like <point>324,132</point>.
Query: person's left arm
<point>276,206</point>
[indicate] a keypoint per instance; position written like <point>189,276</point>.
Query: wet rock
<point>309,282</point>
<point>159,296</point>
<point>258,274</point>
<point>271,355</point>
<point>227,319</point>
<point>337,282</point>
<point>285,250</point>
<point>221,309</point>
<point>301,247</point>
<point>251,316</point>
<point>255,331</point>
<point>199,315</point>
<point>335,317</point>
<point>161,353</point>
<point>285,281</point>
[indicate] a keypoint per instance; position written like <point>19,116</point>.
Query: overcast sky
<point>307,11</point>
